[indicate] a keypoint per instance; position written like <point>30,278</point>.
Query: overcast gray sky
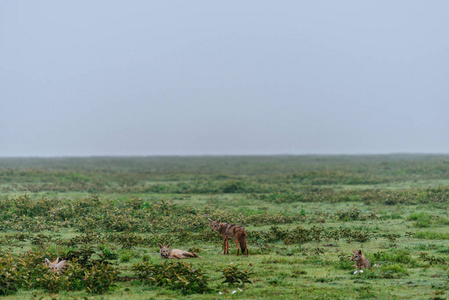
<point>223,77</point>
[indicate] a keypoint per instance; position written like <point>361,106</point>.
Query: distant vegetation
<point>303,215</point>
<point>208,175</point>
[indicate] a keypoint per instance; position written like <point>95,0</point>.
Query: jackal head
<point>357,255</point>
<point>165,251</point>
<point>56,265</point>
<point>48,263</point>
<point>215,225</point>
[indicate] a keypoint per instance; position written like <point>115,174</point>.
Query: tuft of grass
<point>431,235</point>
<point>126,255</point>
<point>396,256</point>
<point>425,219</point>
<point>391,271</point>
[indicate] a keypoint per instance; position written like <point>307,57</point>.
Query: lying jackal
<point>360,260</point>
<point>166,252</point>
<point>228,231</point>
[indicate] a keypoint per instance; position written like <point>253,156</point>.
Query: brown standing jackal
<point>360,260</point>
<point>166,252</point>
<point>56,265</point>
<point>230,231</point>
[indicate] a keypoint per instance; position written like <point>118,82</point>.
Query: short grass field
<point>303,216</point>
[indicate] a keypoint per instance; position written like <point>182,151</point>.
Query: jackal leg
<point>224,246</point>
<point>237,243</point>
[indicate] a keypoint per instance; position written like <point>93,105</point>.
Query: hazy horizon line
<point>231,155</point>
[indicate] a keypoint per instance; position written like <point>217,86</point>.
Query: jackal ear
<point>168,245</point>
<point>210,220</point>
<point>360,251</point>
<point>354,251</point>
<point>219,220</point>
<point>47,261</point>
<point>160,246</point>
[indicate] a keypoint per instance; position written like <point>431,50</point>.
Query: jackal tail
<point>241,237</point>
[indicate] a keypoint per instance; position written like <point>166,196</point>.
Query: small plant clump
<point>432,259</point>
<point>176,275</point>
<point>391,271</point>
<point>236,277</point>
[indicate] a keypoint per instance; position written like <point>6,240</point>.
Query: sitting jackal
<point>360,260</point>
<point>230,231</point>
<point>166,252</point>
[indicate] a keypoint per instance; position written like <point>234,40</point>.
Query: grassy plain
<point>303,215</point>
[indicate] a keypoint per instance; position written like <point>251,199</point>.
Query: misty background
<point>89,78</point>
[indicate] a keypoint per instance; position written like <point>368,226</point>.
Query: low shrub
<point>234,276</point>
<point>431,235</point>
<point>96,279</point>
<point>10,277</point>
<point>424,219</point>
<point>392,271</point>
<point>432,259</point>
<point>176,275</point>
<point>99,279</point>
<point>345,262</point>
<point>397,256</point>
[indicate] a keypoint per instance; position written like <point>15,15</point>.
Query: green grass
<point>303,215</point>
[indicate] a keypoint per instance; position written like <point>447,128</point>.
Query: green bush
<point>47,280</point>
<point>126,256</point>
<point>353,215</point>
<point>10,277</point>
<point>392,271</point>
<point>431,235</point>
<point>432,259</point>
<point>424,219</point>
<point>82,255</point>
<point>99,279</point>
<point>176,275</point>
<point>347,215</point>
<point>28,271</point>
<point>393,256</point>
<point>345,262</point>
<point>234,276</point>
